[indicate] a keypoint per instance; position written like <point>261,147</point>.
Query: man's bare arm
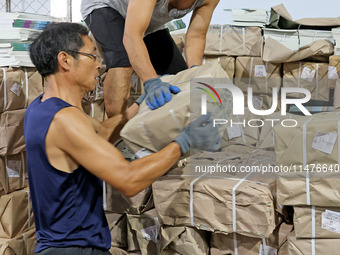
<point>196,34</point>
<point>138,17</point>
<point>71,132</point>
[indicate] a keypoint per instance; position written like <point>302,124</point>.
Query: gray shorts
<point>73,251</point>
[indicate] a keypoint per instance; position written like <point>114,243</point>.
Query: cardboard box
<point>258,74</point>
<point>234,41</point>
<point>16,214</point>
<point>12,132</point>
<point>157,128</point>
<point>19,86</point>
<point>308,75</point>
<point>324,219</point>
<point>210,204</point>
<point>184,240</point>
<point>13,172</point>
<point>227,63</point>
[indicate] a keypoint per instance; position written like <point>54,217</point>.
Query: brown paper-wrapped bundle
<point>19,86</point>
<point>233,41</point>
<point>258,74</point>
<point>184,240</point>
<point>211,207</point>
<point>13,172</point>
<point>227,63</point>
<point>308,75</point>
<point>12,132</point>
<point>16,214</point>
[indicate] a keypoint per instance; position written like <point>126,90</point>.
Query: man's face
<point>87,66</point>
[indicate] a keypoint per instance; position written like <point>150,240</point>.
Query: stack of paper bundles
<point>197,201</point>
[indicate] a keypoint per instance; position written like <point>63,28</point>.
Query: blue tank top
<point>67,207</point>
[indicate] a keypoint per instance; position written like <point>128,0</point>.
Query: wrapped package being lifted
<point>19,86</point>
<point>227,63</point>
<point>184,240</point>
<point>314,140</point>
<point>154,129</point>
<point>308,75</point>
<point>258,74</point>
<point>13,172</point>
<point>12,139</point>
<point>214,204</point>
<point>16,214</point>
<point>234,41</point>
<point>317,222</point>
<point>311,246</point>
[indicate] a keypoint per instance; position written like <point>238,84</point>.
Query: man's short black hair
<point>56,37</point>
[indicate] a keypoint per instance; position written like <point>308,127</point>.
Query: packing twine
<point>244,40</point>
<point>28,207</point>
<point>221,37</point>
<point>317,82</point>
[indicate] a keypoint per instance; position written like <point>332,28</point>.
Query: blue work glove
<point>140,99</point>
<point>158,93</point>
<point>203,135</point>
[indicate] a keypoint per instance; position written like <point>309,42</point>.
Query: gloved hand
<point>140,99</point>
<point>200,134</point>
<point>158,93</point>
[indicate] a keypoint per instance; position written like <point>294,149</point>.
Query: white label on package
<point>331,221</point>
<point>257,102</point>
<point>16,89</point>
<point>150,233</point>
<point>267,250</point>
<point>142,153</point>
<point>13,168</point>
<point>234,131</point>
<point>260,71</point>
<point>324,142</point>
<point>307,74</point>
<point>332,73</point>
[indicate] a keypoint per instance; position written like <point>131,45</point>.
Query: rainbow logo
<point>209,93</point>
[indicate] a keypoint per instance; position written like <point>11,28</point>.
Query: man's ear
<point>65,60</point>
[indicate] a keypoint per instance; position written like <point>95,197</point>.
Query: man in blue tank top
<point>132,35</point>
<point>68,155</point>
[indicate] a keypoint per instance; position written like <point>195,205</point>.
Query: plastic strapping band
<point>92,109</point>
<point>304,158</point>
<point>234,210</point>
<point>172,114</point>
<point>5,88</point>
<point>244,40</point>
<point>219,59</point>
<point>6,173</point>
<point>250,71</point>
<point>104,196</point>
<point>317,82</point>
<point>242,133</point>
<point>299,75</point>
<point>221,37</point>
<point>192,199</point>
<point>28,208</point>
<point>338,142</point>
<point>26,81</point>
<point>313,230</point>
<point>24,170</point>
<point>266,80</point>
